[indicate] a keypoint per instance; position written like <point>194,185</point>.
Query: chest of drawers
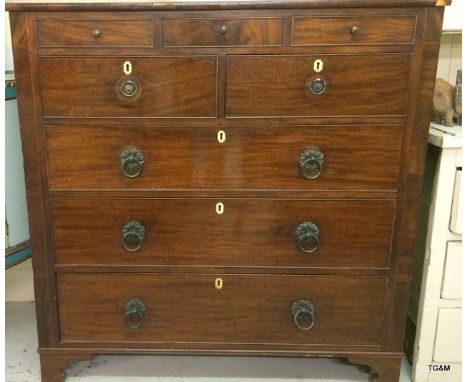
<point>224,177</point>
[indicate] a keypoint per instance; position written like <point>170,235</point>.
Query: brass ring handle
<point>311,163</point>
<point>355,30</point>
<point>307,237</point>
<point>135,310</point>
<point>128,88</point>
<point>317,86</point>
<point>303,308</point>
<point>131,162</point>
<point>133,235</point>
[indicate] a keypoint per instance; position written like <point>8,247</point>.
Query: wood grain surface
<point>269,86</point>
<point>79,33</point>
<point>248,308</point>
<point>252,157</point>
<point>125,5</point>
<point>339,30</point>
<point>222,32</point>
<point>252,82</point>
<point>256,233</point>
<point>89,86</point>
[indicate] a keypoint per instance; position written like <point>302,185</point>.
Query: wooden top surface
<point>124,5</point>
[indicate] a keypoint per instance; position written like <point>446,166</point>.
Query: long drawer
<point>169,87</point>
<point>148,308</point>
<point>262,158</point>
<point>317,85</point>
<point>230,232</point>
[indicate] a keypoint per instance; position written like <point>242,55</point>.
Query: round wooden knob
<point>223,30</point>
<point>355,29</point>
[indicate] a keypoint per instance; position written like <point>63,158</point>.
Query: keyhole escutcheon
<point>219,283</point>
<point>221,136</point>
<point>219,208</point>
<point>318,66</point>
<point>127,68</point>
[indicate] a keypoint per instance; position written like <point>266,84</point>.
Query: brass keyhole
<point>219,208</point>
<point>221,136</point>
<point>127,68</point>
<point>318,66</point>
<point>219,283</point>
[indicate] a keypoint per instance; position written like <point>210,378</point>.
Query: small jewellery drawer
<point>242,309</point>
<point>128,86</point>
<point>261,158</point>
<point>223,232</point>
<point>317,85</point>
<point>223,32</point>
<point>348,30</point>
<point>95,33</point>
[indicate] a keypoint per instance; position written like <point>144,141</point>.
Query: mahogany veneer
<point>224,177</point>
<point>252,157</point>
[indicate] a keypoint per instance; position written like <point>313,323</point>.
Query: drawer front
<point>353,85</point>
<point>156,87</point>
<point>353,30</point>
<point>448,346</point>
<point>247,309</point>
<point>452,282</point>
<point>265,158</point>
<point>95,33</point>
<point>224,232</point>
<point>222,32</point>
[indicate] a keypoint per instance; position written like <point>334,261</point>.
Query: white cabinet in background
<point>438,330</point>
<point>453,16</point>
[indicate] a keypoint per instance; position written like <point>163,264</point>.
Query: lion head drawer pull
<point>131,162</point>
<point>135,310</point>
<point>133,235</point>
<point>311,163</point>
<point>307,237</point>
<point>303,312</point>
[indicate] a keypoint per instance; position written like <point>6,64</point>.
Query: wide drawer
<point>223,232</point>
<point>348,85</point>
<point>350,30</point>
<point>265,158</point>
<point>249,309</point>
<point>95,33</point>
<point>245,31</point>
<point>154,86</point>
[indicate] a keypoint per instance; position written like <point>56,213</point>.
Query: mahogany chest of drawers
<point>224,177</point>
